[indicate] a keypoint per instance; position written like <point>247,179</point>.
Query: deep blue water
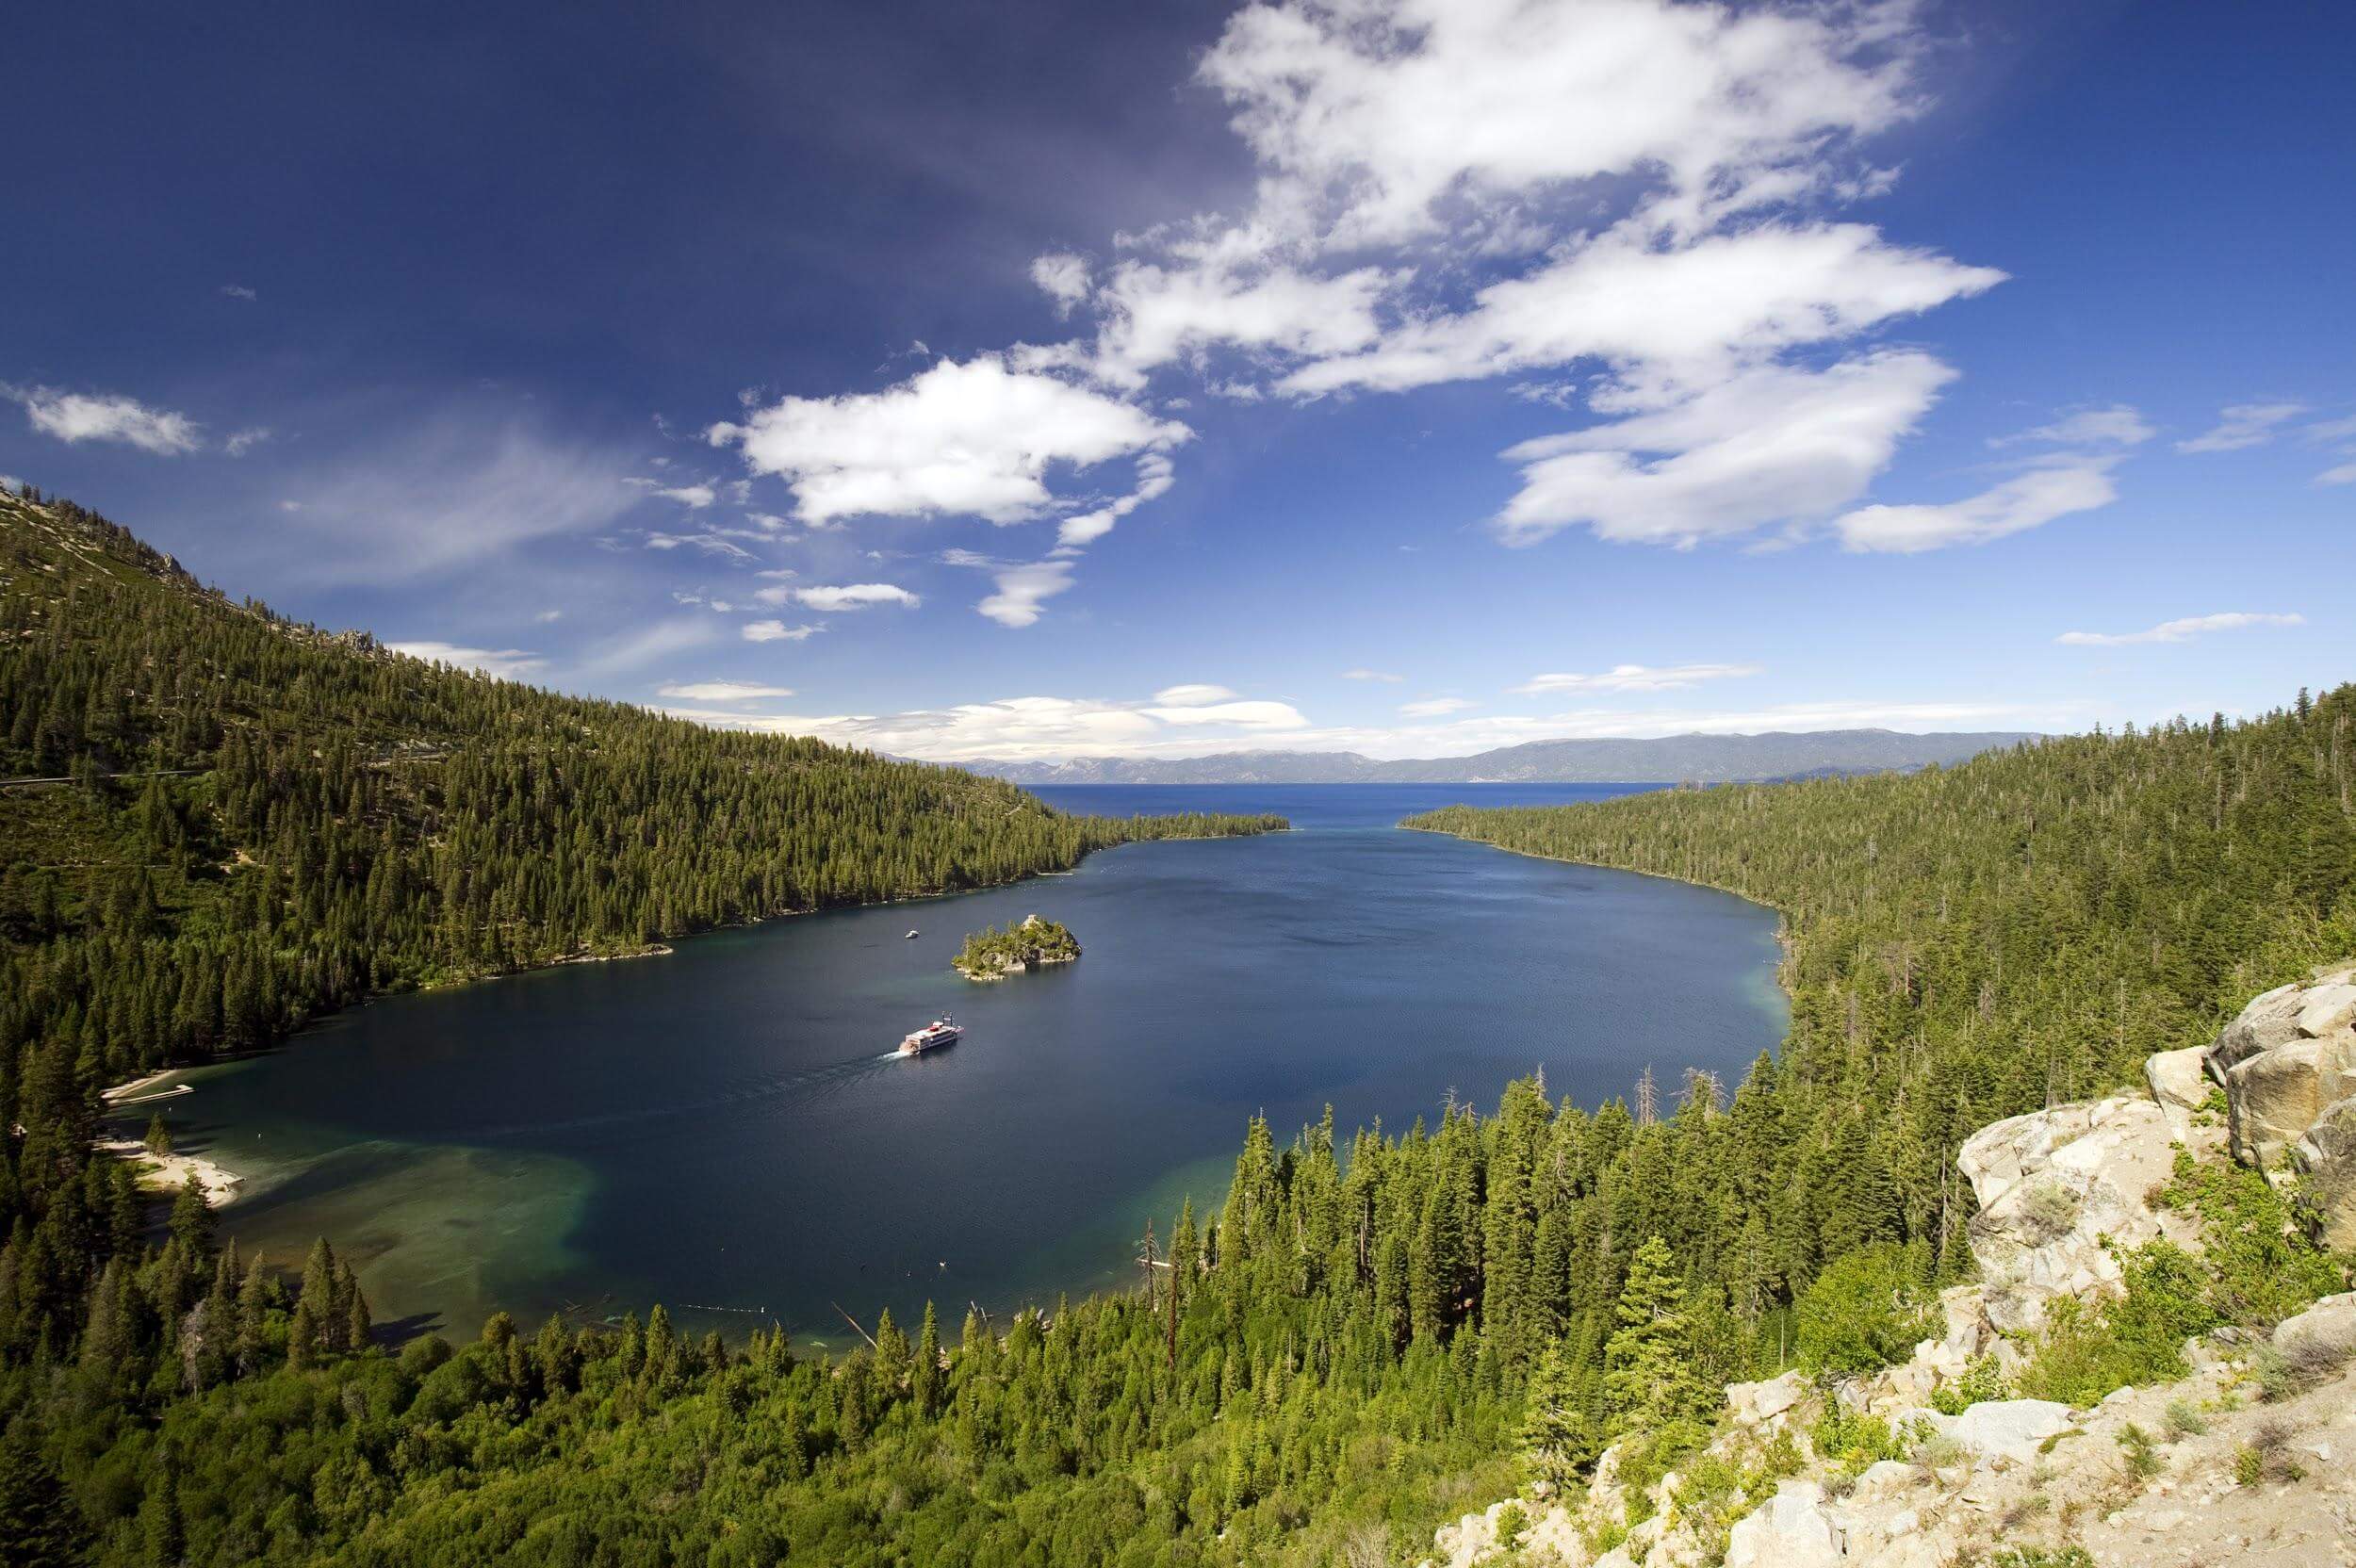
<point>723,1130</point>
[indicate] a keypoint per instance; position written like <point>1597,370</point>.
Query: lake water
<point>724,1128</point>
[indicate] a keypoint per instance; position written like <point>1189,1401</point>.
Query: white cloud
<point>708,542</point>
<point>1023,588</point>
<point>2241,425</point>
<point>238,291</point>
<point>2027,501</point>
<point>694,497</point>
<point>76,417</point>
<point>547,615</point>
<point>1372,675</point>
<point>2119,425</point>
<point>634,649</point>
<point>1670,316</point>
<point>976,439</point>
<point>1247,715</point>
<point>1154,477</point>
<point>1154,315</point>
<point>1378,121</point>
<point>1772,444</point>
<point>1192,694</point>
<point>505,663</point>
<point>1063,277</point>
<point>1050,727</point>
<point>777,631</point>
<point>1433,708</point>
<point>844,597</point>
<point>722,691</point>
<point>2179,630</point>
<point>2343,474</point>
<point>1635,677</point>
<point>1033,727</point>
<point>243,441</point>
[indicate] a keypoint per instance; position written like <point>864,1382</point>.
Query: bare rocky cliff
<point>2250,1458</point>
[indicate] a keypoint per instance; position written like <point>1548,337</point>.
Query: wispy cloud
<point>2243,425</point>
<point>2026,500</point>
<point>1433,708</point>
<point>722,691</point>
<point>2179,630</point>
<point>451,494</point>
<point>243,441</point>
<point>240,291</point>
<point>1372,675</point>
<point>505,663</point>
<point>1635,677</point>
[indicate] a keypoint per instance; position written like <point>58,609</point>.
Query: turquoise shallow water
<point>724,1128</point>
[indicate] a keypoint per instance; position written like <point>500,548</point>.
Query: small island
<point>992,953</point>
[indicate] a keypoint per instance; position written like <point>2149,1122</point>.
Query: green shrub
<point>1854,1441</point>
<point>2263,1268</point>
<point>2133,1339</point>
<point>1863,1313</point>
<point>2185,1419</point>
<point>1979,1382</point>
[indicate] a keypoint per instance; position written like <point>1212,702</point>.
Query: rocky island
<point>992,954</point>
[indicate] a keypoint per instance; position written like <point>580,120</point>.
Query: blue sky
<point>1046,379</point>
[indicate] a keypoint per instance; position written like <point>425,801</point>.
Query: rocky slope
<point>2245,1459</point>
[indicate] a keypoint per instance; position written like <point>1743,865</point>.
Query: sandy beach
<point>170,1173</point>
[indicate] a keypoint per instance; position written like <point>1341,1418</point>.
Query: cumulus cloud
<point>505,663</point>
<point>1772,444</point>
<point>777,631</point>
<point>2241,425</point>
<point>2027,501</point>
<point>976,439</point>
<point>1063,278</point>
<point>722,691</point>
<point>2179,630</point>
<point>844,597</point>
<point>1155,475</point>
<point>76,416</point>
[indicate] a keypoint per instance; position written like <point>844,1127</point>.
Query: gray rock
<point>2329,1322</point>
<point>1752,1403</point>
<point>2278,1094</point>
<point>2269,1020</point>
<point>1791,1531</point>
<point>2326,1156</point>
<point>2179,1085</point>
<point>2003,1429</point>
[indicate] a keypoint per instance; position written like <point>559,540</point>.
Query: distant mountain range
<point>1670,759</point>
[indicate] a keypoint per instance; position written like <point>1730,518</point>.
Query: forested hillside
<point>1341,1354</point>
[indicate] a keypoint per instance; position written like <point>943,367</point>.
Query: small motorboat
<point>911,936</point>
<point>939,1032</point>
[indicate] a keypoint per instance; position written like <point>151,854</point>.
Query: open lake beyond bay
<point>724,1128</point>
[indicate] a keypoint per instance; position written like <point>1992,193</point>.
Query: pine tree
<point>1649,1374</point>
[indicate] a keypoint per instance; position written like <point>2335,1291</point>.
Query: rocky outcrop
<point>2200,1471</point>
<point>2058,1190</point>
<point>2289,1068</point>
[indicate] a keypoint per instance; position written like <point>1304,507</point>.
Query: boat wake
<point>802,1088</point>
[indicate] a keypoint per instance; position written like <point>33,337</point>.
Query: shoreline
<point>171,1171</point>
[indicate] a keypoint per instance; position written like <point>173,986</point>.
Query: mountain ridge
<point>1691,757</point>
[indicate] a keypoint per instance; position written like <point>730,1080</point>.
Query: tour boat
<point>939,1032</point>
